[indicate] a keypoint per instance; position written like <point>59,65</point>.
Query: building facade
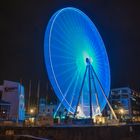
<point>125,103</point>
<point>4,110</point>
<point>13,92</point>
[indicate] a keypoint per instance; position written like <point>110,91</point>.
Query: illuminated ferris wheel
<point>77,63</point>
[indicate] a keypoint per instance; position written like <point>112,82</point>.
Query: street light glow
<point>31,110</point>
<point>121,111</point>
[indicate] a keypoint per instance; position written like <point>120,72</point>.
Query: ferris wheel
<point>77,62</point>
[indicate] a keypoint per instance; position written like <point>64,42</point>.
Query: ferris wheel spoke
<point>70,84</point>
<point>65,72</point>
<point>74,30</point>
<point>64,64</point>
<point>66,92</point>
<point>59,38</point>
<point>63,48</point>
<point>68,42</point>
<point>67,79</point>
<point>64,96</point>
<point>65,30</point>
<point>79,22</point>
<point>64,57</point>
<point>73,24</point>
<point>75,86</point>
<point>80,25</point>
<point>68,23</point>
<point>58,49</point>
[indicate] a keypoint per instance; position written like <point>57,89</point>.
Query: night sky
<point>22,28</point>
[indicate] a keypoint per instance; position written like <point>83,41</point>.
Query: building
<point>45,108</point>
<point>45,113</point>
<point>42,106</point>
<point>13,93</point>
<point>49,109</point>
<point>125,103</point>
<point>4,110</point>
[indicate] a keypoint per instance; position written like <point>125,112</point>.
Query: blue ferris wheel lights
<point>70,38</point>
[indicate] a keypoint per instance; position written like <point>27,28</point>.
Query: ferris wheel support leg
<point>90,97</point>
<point>80,91</point>
<point>104,94</point>
<point>96,95</point>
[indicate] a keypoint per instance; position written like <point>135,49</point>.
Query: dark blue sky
<point>22,28</point>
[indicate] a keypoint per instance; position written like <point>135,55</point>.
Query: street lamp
<point>121,111</point>
<point>32,111</point>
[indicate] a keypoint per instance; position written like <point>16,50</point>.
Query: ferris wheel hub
<point>88,61</point>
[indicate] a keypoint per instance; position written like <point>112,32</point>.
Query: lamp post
<point>32,111</point>
<point>122,112</point>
